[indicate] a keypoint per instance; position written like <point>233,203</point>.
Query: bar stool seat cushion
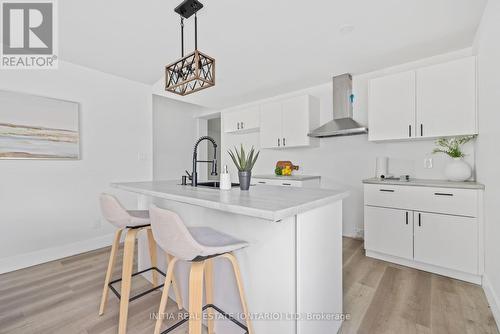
<point>215,242</point>
<point>116,214</point>
<point>138,217</point>
<point>191,243</point>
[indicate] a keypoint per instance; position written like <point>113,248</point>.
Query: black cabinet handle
<point>238,125</point>
<point>242,125</point>
<point>409,131</point>
<point>406,217</point>
<point>387,190</point>
<point>443,194</point>
<point>421,130</point>
<point>286,184</point>
<point>284,142</point>
<point>419,219</point>
<point>261,182</point>
<point>278,142</point>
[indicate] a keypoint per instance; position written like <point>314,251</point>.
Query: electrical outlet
<point>428,163</point>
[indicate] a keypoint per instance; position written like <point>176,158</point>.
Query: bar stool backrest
<point>113,211</point>
<point>172,235</point>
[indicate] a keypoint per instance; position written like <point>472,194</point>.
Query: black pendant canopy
<point>188,7</point>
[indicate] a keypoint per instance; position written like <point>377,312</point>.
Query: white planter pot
<point>457,170</point>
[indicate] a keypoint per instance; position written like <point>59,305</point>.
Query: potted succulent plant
<point>457,169</point>
<point>244,163</point>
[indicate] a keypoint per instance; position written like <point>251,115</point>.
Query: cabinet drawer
<point>390,196</point>
<point>285,183</point>
<point>461,202</point>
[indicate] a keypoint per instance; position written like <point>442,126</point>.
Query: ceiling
<point>263,48</point>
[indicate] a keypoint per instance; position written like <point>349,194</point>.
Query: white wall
<point>175,130</point>
<point>50,208</point>
<point>488,157</point>
<point>345,161</point>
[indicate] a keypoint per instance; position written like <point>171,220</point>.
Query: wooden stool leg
<point>128,262</point>
<point>164,296</point>
<point>239,282</point>
<point>109,273</point>
<point>177,291</point>
<point>209,293</point>
<point>196,297</point>
<point>152,256</point>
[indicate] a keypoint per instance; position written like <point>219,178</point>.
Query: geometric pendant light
<point>193,72</point>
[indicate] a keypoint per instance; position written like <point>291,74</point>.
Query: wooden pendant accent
<point>190,74</point>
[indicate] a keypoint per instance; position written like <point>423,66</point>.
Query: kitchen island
<point>292,269</point>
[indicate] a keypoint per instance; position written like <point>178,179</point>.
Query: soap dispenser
<point>225,179</point>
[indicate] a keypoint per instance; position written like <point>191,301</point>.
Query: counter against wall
<point>427,183</point>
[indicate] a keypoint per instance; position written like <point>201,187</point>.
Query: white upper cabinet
<point>435,101</point>
<point>391,110</point>
<point>242,120</point>
<point>446,99</point>
<point>286,123</point>
<point>270,125</point>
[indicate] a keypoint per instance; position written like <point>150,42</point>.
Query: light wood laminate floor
<point>63,297</point>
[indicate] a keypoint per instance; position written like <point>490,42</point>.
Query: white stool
<point>198,245</point>
<point>133,221</point>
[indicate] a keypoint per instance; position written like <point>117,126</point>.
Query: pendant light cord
<point>182,37</point>
<point>195,31</point>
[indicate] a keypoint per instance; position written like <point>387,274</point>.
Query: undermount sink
<point>214,184</point>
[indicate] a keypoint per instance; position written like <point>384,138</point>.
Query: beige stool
<point>199,246</point>
<point>133,221</point>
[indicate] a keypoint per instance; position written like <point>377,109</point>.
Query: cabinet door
<point>391,107</point>
<point>447,241</point>
<point>296,121</point>
<point>249,118</point>
<point>230,120</point>
<point>270,125</point>
<point>446,99</point>
<point>389,231</point>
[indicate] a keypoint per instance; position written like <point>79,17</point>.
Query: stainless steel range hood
<point>342,124</point>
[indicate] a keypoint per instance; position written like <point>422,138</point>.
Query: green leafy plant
<point>452,146</point>
<point>244,162</point>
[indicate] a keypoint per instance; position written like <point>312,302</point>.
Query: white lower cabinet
<point>389,231</point>
<point>446,241</point>
<point>399,228</point>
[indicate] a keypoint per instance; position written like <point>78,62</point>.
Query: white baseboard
<point>356,234</point>
<point>492,298</point>
<point>54,253</point>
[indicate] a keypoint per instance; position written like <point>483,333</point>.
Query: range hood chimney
<point>342,124</point>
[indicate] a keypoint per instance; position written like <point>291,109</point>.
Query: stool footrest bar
<point>212,306</point>
<point>135,274</point>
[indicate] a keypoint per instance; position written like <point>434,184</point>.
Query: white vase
<point>457,170</point>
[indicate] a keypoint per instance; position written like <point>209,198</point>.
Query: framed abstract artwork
<point>35,127</point>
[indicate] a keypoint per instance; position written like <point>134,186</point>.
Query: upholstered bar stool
<point>131,221</point>
<point>199,246</point>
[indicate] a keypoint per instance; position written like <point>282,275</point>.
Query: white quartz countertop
<point>428,183</point>
<point>289,177</point>
<point>270,202</point>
